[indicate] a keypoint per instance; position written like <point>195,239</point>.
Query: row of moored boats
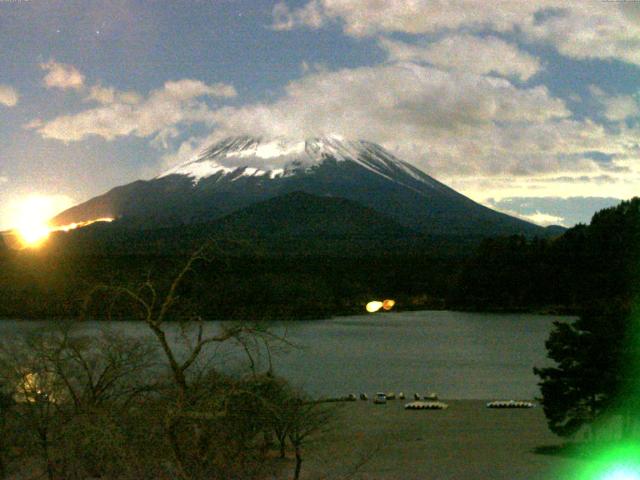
<point>430,401</point>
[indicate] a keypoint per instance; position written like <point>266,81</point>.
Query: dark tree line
<point>252,285</point>
<point>596,375</point>
<point>587,265</point>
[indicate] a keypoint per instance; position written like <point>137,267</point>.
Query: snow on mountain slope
<point>240,171</point>
<point>248,156</point>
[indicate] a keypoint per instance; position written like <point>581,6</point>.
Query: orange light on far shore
<point>374,306</point>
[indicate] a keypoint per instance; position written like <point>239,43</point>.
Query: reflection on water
<point>457,355</point>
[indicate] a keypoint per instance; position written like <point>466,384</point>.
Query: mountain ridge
<point>227,177</point>
<point>296,223</point>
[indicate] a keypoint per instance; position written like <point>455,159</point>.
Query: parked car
<point>380,398</point>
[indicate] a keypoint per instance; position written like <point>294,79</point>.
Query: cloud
<point>311,15</point>
<point>587,30</point>
<point>8,96</point>
<point>539,218</point>
<point>3,179</point>
<point>313,67</point>
<point>483,187</point>
<point>621,107</point>
<point>109,95</point>
<point>376,101</point>
<point>616,107</point>
<point>370,17</point>
<point>62,76</point>
<point>446,122</point>
<point>544,219</point>
<point>478,55</point>
<point>565,211</point>
<point>477,133</point>
<point>127,113</point>
<point>576,29</point>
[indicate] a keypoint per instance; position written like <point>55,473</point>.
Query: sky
<point>530,107</point>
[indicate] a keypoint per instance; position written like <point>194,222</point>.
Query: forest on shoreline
<point>248,280</point>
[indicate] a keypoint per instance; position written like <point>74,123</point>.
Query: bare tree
<point>307,419</point>
<point>25,370</point>
<point>114,406</point>
<point>196,406</point>
<point>6,404</point>
<point>61,377</point>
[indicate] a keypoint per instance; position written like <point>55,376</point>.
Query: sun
<point>30,222</point>
<point>33,234</point>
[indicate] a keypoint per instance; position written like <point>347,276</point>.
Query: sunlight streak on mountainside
<point>31,227</point>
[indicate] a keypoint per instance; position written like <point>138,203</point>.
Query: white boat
<point>509,404</point>
<point>421,405</point>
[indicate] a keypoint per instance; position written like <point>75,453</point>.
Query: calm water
<point>455,354</point>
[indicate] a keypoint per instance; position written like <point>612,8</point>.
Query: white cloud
<point>621,107</point>
<point>362,101</point>
<point>445,121</point>
<point>543,219</point>
<point>467,53</point>
<point>311,15</point>
<point>62,76</point>
<point>616,107</point>
<point>127,113</point>
<point>477,133</point>
<point>8,96</point>
<point>187,89</point>
<point>592,29</point>
<point>494,188</point>
<point>539,218</point>
<point>567,211</point>
<point>109,95</point>
<point>370,17</point>
<point>4,179</point>
<point>313,67</point>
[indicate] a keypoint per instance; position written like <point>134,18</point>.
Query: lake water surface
<point>455,354</point>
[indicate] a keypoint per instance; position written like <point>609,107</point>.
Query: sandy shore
<point>466,441</point>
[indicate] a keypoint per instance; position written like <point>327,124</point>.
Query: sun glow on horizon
<point>30,225</point>
<point>31,221</point>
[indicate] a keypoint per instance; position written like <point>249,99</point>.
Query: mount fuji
<point>238,172</point>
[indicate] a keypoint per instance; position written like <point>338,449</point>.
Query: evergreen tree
<point>596,362</point>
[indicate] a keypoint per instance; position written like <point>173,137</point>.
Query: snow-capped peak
<point>238,157</point>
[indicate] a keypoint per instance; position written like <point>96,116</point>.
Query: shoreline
<point>467,441</point>
<point>561,312</point>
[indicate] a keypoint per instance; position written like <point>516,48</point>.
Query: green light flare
<point>618,462</point>
<point>622,474</point>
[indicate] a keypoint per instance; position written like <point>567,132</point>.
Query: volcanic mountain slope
<point>240,171</point>
<point>294,223</point>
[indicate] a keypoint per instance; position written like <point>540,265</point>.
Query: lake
<point>455,354</point>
